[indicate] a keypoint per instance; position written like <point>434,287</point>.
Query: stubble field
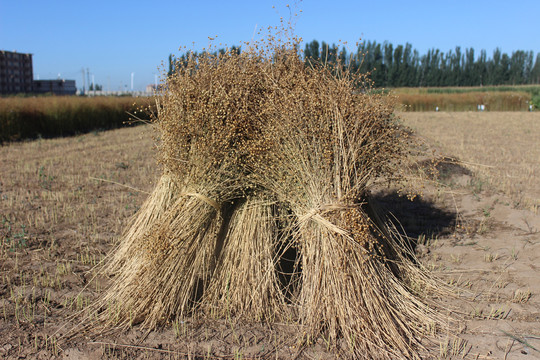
<point>65,202</point>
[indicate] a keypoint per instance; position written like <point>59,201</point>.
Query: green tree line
<point>175,62</point>
<point>403,66</point>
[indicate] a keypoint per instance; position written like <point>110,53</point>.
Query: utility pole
<point>132,74</point>
<point>83,82</point>
<point>88,76</point>
<point>93,85</point>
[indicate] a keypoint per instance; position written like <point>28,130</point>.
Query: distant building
<point>16,77</point>
<point>155,88</point>
<point>151,88</point>
<point>15,72</point>
<point>57,87</point>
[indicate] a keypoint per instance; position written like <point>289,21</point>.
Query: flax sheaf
<point>351,284</point>
<point>249,143</point>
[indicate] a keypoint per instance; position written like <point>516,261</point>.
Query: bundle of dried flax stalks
<point>262,211</point>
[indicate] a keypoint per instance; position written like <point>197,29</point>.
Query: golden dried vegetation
<point>262,212</point>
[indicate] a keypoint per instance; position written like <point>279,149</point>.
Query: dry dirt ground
<point>64,203</point>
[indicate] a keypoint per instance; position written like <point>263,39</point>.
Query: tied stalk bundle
<point>201,219</point>
<point>262,212</point>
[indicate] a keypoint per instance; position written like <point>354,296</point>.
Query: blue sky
<point>116,38</point>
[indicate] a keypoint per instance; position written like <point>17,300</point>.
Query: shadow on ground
<point>416,218</point>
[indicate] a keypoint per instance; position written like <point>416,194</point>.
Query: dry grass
<point>500,147</point>
<point>493,101</point>
<point>57,175</point>
<point>57,223</point>
<point>51,116</point>
<point>267,161</point>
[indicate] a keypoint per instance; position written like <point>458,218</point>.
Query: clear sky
<point>115,38</point>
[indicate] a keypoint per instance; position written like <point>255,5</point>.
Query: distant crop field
<point>530,89</point>
<point>465,101</point>
<point>494,98</point>
<point>52,116</point>
<point>502,147</point>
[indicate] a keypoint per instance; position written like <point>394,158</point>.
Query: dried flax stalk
<point>351,291</point>
<point>151,212</point>
<point>172,265</point>
<point>245,281</point>
<point>261,212</point>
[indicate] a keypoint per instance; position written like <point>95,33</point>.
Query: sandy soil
<point>491,251</point>
<point>58,221</point>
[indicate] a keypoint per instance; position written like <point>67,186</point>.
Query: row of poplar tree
<point>403,66</point>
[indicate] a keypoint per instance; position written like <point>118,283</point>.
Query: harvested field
<point>58,221</point>
<point>500,147</point>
